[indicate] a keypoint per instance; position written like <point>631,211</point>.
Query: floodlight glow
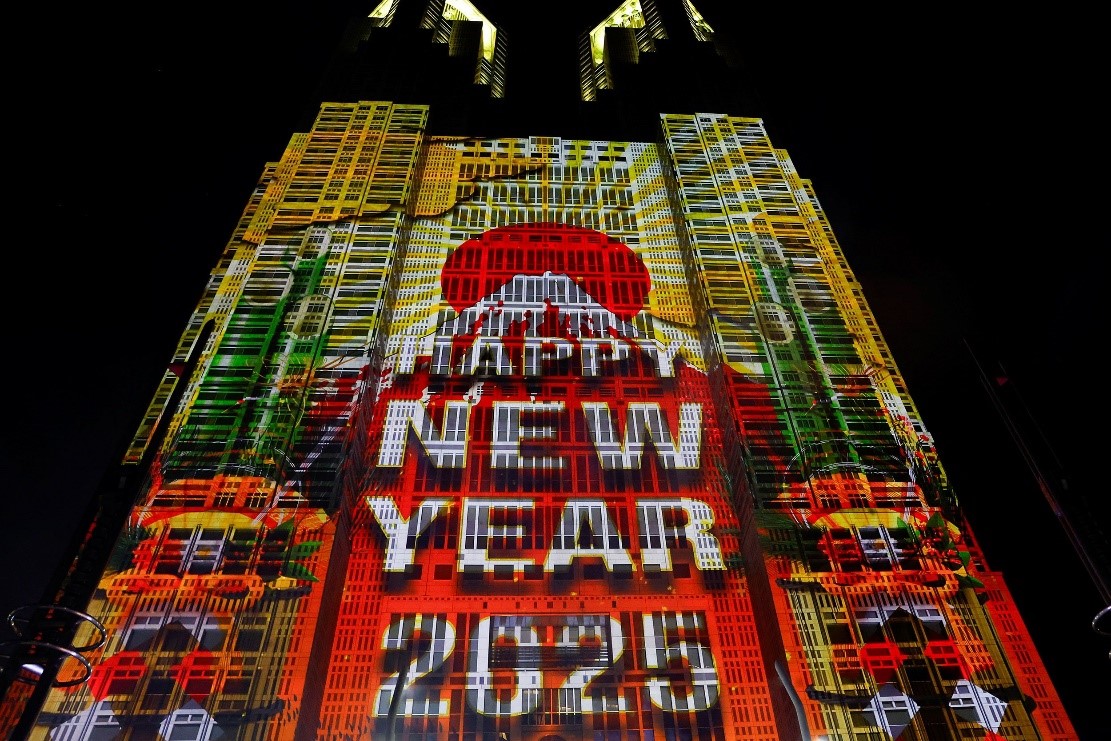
<point>628,15</point>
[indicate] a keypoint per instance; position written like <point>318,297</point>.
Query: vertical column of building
<point>213,595</point>
<point>717,204</point>
<point>870,574</point>
<point>370,174</point>
<point>974,656</point>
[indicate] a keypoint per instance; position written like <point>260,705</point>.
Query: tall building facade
<point>537,437</point>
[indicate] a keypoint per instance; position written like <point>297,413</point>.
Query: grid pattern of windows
<point>542,437</point>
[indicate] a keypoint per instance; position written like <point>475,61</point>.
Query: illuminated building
<point>537,437</point>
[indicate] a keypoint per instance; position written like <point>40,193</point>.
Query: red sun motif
<point>604,267</point>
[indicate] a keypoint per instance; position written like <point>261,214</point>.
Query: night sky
<point>952,154</point>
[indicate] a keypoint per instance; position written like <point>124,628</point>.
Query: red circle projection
<point>602,266</point>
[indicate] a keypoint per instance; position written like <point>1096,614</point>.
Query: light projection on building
<point>544,439</point>
<point>569,434</point>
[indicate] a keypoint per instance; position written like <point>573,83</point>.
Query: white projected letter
<point>645,422</point>
<point>445,449</point>
<point>401,534</point>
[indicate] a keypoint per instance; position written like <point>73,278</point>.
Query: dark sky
<point>952,153</point>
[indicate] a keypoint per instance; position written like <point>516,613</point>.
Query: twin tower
<point>515,414</point>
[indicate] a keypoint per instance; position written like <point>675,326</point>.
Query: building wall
<point>565,439</point>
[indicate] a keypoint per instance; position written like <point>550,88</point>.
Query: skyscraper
<point>540,435</point>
